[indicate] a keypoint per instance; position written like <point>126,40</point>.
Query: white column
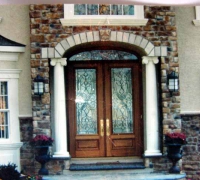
<point>60,108</point>
<point>152,125</point>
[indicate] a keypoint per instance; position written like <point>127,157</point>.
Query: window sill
<point>103,22</point>
<point>10,146</point>
<point>196,22</point>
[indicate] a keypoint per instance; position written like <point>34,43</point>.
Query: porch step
<point>114,163</point>
<point>106,166</point>
<point>137,174</point>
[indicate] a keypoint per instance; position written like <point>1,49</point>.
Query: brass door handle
<point>101,128</point>
<point>107,127</point>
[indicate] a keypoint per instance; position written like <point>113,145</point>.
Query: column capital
<point>62,61</point>
<point>146,59</point>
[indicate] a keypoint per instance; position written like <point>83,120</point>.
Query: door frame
<point>72,144</point>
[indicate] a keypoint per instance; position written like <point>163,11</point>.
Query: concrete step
<point>137,174</point>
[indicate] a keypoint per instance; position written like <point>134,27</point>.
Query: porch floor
<point>136,174</point>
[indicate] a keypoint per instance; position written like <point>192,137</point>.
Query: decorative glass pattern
<point>80,9</point>
<point>3,110</point>
<point>103,9</point>
<point>92,9</point>
<point>86,101</point>
<point>116,9</point>
<point>103,55</point>
<point>128,10</point>
<point>122,108</point>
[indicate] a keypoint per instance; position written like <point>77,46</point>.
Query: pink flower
<point>41,140</point>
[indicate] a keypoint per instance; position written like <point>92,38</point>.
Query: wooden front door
<point>104,108</point>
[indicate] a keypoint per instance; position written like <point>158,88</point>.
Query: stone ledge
<point>60,158</point>
<point>189,113</point>
<point>144,174</point>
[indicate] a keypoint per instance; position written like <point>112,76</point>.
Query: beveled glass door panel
<point>122,107</point>
<point>85,109</point>
<point>86,101</point>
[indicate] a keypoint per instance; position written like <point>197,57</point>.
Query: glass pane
<point>128,9</point>
<point>86,101</point>
<point>103,55</point>
<point>92,9</point>
<point>104,9</point>
<point>80,9</point>
<point>122,108</point>
<point>3,102</point>
<point>3,86</point>
<point>3,124</point>
<point>116,9</point>
<point>3,95</point>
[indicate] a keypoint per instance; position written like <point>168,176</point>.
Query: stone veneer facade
<point>47,31</point>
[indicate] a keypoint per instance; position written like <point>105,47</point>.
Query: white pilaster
<point>60,108</point>
<point>152,125</point>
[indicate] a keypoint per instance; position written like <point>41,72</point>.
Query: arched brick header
<point>103,35</point>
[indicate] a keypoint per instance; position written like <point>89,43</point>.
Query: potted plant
<point>41,143</point>
<point>174,141</point>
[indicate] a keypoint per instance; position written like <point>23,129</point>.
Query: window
<point>102,14</point>
<point>197,20</point>
<point>3,110</point>
<point>103,9</point>
<point>103,55</point>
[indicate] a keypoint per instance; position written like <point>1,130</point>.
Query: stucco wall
<point>189,57</point>
<point>15,26</point>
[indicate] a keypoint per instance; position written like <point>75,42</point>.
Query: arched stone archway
<point>143,46</point>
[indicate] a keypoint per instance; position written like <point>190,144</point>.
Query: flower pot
<point>42,156</point>
<point>42,150</point>
<point>174,153</point>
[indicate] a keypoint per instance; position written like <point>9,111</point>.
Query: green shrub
<point>9,172</point>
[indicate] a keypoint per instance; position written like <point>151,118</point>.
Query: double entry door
<point>104,109</point>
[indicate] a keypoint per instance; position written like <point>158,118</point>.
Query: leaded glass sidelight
<point>86,101</point>
<point>92,9</point>
<point>104,9</point>
<point>3,110</point>
<point>80,9</point>
<point>128,10</point>
<point>116,9</point>
<point>122,108</point>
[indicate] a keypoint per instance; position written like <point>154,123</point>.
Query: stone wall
<point>47,31</point>
<point>27,155</point>
<point>28,163</point>
<point>191,151</point>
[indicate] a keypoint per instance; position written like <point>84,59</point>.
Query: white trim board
<point>12,49</point>
<point>6,56</point>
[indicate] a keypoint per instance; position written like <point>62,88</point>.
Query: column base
<point>152,153</point>
<point>61,155</point>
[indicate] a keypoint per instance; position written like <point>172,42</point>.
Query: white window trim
<point>10,148</point>
<point>11,76</point>
<point>10,53</point>
<point>101,20</point>
<point>197,20</point>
